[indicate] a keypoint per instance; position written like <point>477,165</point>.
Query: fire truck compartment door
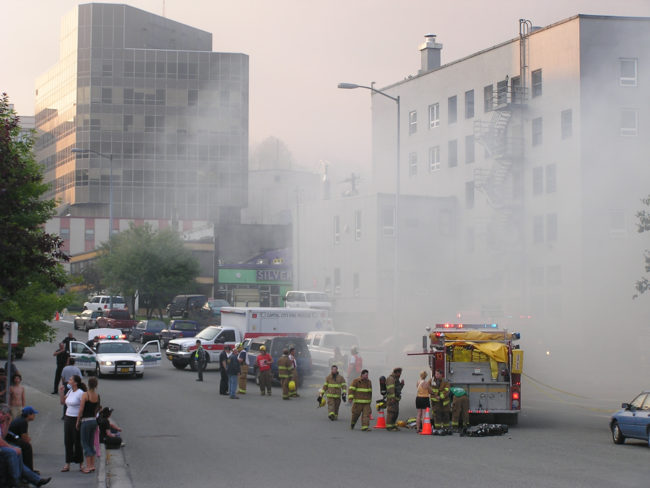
<point>488,397</point>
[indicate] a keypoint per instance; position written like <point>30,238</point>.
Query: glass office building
<point>168,115</point>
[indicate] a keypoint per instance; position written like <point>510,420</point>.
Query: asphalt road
<point>181,432</point>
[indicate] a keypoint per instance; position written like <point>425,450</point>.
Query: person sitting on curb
<point>109,433</point>
<point>18,435</point>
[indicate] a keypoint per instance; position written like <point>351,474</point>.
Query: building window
<point>337,230</point>
<point>357,224</point>
<point>107,95</point>
<point>469,149</point>
<point>567,123</point>
<point>356,284</point>
<point>538,229</point>
<point>65,234</point>
<point>629,121</point>
<point>413,122</point>
<point>337,281</point>
<point>434,158</point>
<point>487,98</point>
<point>469,104</point>
<point>538,180</point>
<point>550,178</point>
<point>149,123</point>
<point>413,164</point>
<point>452,115</point>
<point>469,194</point>
<point>107,68</point>
<point>452,148</point>
<point>537,131</point>
<point>517,94</point>
<point>434,115</point>
<point>536,82</point>
<point>551,227</point>
<point>90,234</point>
<point>502,92</point>
<point>127,123</point>
<point>628,71</point>
<point>388,221</point>
<point>192,97</point>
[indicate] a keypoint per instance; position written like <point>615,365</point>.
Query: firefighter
<point>243,375</point>
<point>440,400</point>
<point>360,396</point>
<point>294,374</point>
<point>285,371</point>
<point>200,358</point>
<point>355,363</point>
<point>264,362</point>
<point>334,389</point>
<point>459,409</point>
<point>393,396</point>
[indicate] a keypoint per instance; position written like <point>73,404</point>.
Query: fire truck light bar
<point>466,326</point>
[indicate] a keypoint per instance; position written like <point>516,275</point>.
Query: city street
<point>181,432</point>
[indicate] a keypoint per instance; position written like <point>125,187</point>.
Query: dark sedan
<point>147,330</point>
<point>633,420</point>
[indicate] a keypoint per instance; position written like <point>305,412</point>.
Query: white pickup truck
<point>322,345</point>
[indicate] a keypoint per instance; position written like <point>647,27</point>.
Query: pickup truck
<point>322,345</point>
<point>213,339</point>
<point>180,328</point>
<point>116,319</point>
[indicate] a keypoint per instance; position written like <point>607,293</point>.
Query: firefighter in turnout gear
<point>285,371</point>
<point>243,362</point>
<point>294,373</point>
<point>459,409</point>
<point>360,396</point>
<point>393,396</point>
<point>440,400</point>
<point>333,389</point>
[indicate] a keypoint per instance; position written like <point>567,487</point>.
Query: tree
<point>153,263</point>
<point>30,259</point>
<point>643,284</point>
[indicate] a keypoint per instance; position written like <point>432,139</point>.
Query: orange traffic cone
<point>426,426</point>
<point>56,318</point>
<point>381,421</point>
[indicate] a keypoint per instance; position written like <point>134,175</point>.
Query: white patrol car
<point>114,355</point>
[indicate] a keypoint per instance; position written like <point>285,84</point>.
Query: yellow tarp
<point>494,350</point>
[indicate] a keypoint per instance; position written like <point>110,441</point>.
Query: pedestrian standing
<point>294,372</point>
<point>87,423</point>
<point>422,399</point>
<point>333,389</point>
<point>61,360</point>
<point>16,396</point>
<point>360,396</point>
<point>242,357</point>
<point>440,400</point>
<point>355,363</point>
<point>223,369</point>
<point>68,372</point>
<point>285,367</point>
<point>264,362</point>
<point>71,436</point>
<point>393,396</point>
<point>233,369</point>
<point>200,359</point>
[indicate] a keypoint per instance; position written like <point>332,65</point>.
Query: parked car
<point>183,305</point>
<point>633,420</point>
<point>307,299</point>
<point>179,328</point>
<point>274,346</point>
<point>103,302</point>
<point>87,319</point>
<point>213,308</point>
<point>147,330</point>
<point>322,345</point>
<point>116,319</point>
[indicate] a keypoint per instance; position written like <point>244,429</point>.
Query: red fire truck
<point>483,360</point>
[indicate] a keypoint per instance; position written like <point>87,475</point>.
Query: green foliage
<point>642,285</point>
<point>30,269</point>
<point>154,263</point>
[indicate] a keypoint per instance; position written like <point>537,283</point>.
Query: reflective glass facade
<point>149,92</point>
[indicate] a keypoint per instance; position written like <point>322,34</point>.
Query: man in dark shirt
<point>61,360</point>
<point>18,435</point>
<point>233,369</point>
<point>223,369</point>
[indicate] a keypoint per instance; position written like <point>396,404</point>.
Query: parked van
<point>184,305</point>
<point>307,299</point>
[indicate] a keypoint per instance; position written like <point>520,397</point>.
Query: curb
<point>112,470</point>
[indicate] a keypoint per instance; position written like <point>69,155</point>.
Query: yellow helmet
<point>262,348</point>
<point>401,423</point>
<point>292,385</point>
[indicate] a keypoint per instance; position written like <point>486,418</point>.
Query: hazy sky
<point>300,49</point>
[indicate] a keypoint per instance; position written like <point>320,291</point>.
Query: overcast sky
<point>300,49</point>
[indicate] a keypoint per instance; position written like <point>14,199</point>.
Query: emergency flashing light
<point>515,395</point>
<point>466,326</point>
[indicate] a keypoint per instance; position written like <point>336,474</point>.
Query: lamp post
<point>110,197</point>
<point>351,86</point>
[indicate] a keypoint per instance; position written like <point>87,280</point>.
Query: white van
<point>307,299</point>
<point>102,302</point>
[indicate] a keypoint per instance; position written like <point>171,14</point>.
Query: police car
<point>114,355</point>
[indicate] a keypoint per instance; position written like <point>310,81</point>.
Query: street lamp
<point>352,86</point>
<point>110,197</point>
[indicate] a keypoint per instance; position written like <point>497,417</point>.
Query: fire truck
<point>484,361</point>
